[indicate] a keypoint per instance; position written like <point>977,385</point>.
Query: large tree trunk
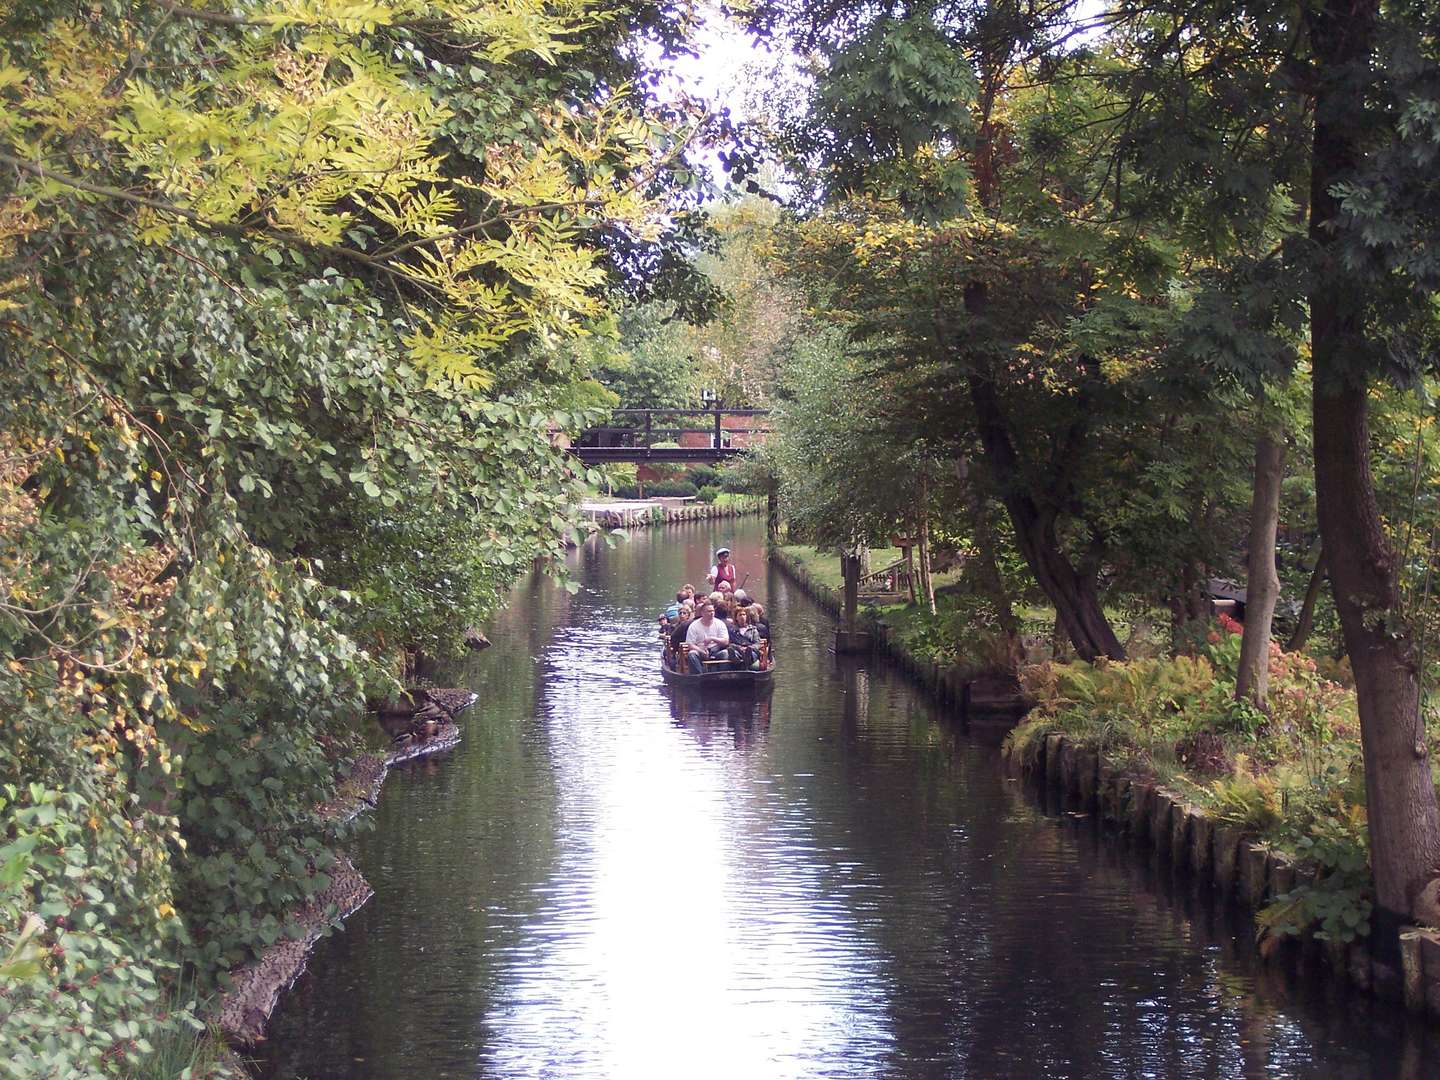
<point>992,585</point>
<point>1364,573</point>
<point>1306,622</point>
<point>1075,596</point>
<point>1262,583</point>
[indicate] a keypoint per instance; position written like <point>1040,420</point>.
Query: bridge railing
<point>645,427</point>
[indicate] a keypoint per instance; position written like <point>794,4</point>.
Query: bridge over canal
<point>652,435</point>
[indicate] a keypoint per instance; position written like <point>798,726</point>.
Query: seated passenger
<point>677,633</point>
<point>745,641</point>
<point>708,639</point>
<point>757,618</point>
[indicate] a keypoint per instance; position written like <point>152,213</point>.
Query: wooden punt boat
<point>719,678</point>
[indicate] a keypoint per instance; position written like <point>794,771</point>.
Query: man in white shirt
<point>707,638</point>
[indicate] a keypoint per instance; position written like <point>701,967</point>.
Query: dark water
<point>606,882</point>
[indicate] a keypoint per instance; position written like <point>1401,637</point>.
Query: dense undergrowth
<point>272,425</point>
<point>1292,777</point>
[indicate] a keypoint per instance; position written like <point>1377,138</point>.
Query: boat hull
<point>730,680</point>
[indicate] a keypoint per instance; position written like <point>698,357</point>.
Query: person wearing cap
<point>724,569</point>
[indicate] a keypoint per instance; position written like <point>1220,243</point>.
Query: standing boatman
<point>723,570</point>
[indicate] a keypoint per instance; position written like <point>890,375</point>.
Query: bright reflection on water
<point>609,881</point>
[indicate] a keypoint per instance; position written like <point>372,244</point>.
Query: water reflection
<point>610,879</point>
<point>664,944</point>
<point>742,718</point>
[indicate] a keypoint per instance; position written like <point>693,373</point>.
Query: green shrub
<point>80,974</point>
<point>1338,901</point>
<point>708,494</point>
<point>658,489</point>
<point>703,476</point>
<point>670,489</point>
<point>621,474</point>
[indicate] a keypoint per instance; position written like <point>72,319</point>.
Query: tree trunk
<point>772,511</point>
<point>1306,622</point>
<point>927,584</point>
<point>1364,573</point>
<point>992,585</point>
<point>1189,601</point>
<point>1262,583</point>
<point>1075,596</point>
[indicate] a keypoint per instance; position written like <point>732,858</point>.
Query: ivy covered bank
<point>284,288</point>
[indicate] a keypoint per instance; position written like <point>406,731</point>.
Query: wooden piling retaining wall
<point>616,515</point>
<point>1240,868</point>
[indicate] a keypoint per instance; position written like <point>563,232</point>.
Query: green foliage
<point>649,364</point>
<point>1294,776</point>
<point>287,316</point>
<point>1250,801</point>
<point>748,474</point>
<point>1338,901</point>
<point>707,494</point>
<point>703,476</point>
<point>659,489</point>
<point>78,999</point>
<point>899,91</point>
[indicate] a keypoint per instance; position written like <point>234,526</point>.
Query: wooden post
<point>717,429</point>
<point>850,570</point>
<point>848,639</point>
<point>927,584</point>
<point>649,416</point>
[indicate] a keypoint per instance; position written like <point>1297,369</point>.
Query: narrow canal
<point>604,881</point>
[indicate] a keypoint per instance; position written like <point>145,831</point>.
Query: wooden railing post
<point>718,444</point>
<point>648,417</point>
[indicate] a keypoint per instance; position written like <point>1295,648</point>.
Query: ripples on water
<point>612,880</point>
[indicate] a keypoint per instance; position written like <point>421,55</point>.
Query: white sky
<point>717,75</point>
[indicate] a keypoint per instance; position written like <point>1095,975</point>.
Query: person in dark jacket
<point>677,634</point>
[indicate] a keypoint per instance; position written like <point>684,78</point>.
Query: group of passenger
<point>713,631</point>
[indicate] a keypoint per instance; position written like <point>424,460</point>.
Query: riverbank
<point>1239,865</point>
<point>985,698</point>
<point>1269,811</point>
<point>644,513</point>
<point>243,1011</point>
